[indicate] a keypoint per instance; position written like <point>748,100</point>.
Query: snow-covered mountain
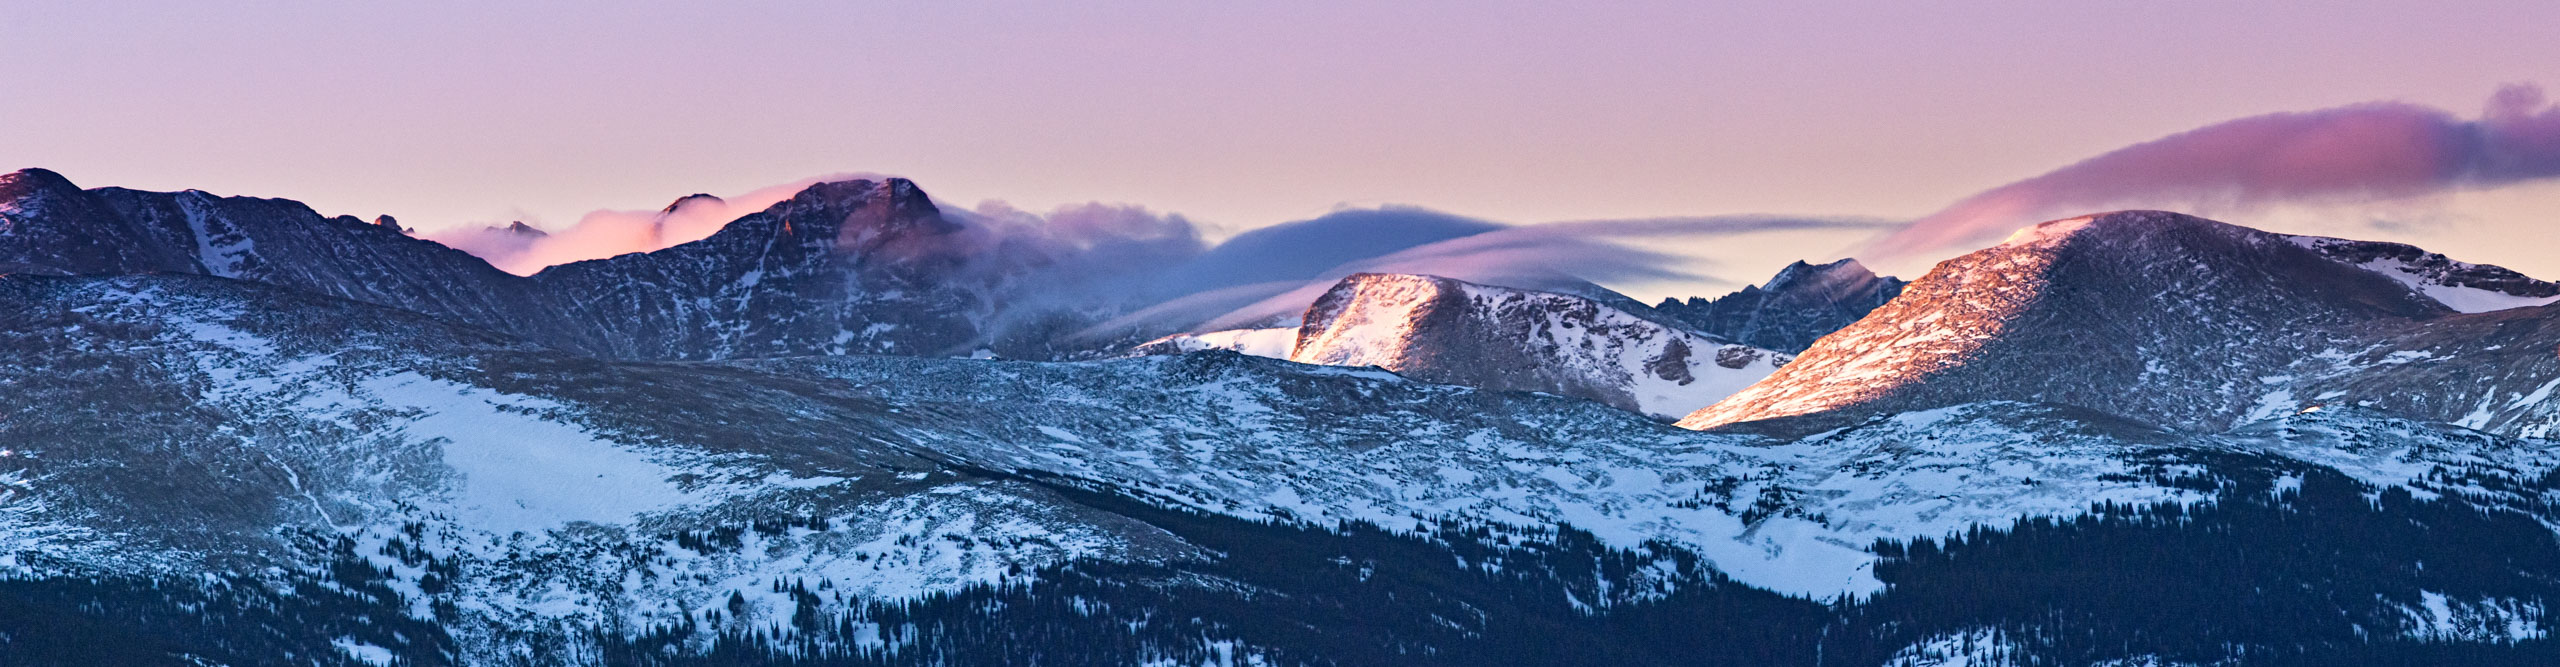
<point>2154,316</point>
<point>1801,304</point>
<point>1454,332</point>
<point>241,433</point>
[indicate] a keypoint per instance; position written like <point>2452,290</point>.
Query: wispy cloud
<point>2351,154</point>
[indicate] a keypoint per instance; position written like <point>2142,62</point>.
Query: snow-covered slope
<point>1256,437</point>
<point>175,425</point>
<point>180,425</point>
<point>2494,371</point>
<point>383,419</point>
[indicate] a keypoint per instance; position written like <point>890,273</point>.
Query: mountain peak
<point>32,181</point>
<point>2150,315</point>
<point>865,217</point>
<point>1450,331</point>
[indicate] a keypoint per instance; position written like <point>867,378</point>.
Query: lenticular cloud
<point>2356,153</point>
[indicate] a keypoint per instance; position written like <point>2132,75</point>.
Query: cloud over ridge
<point>2349,154</point>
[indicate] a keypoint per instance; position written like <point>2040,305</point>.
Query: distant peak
<point>886,222</point>
<point>519,228</point>
<point>1848,270</point>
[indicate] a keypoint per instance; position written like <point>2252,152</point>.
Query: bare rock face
<point>1803,303</point>
<point>1453,332</point>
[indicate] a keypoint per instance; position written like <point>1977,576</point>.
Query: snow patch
<point>2441,618</point>
<point>521,473</point>
<point>1275,343</point>
<point>364,652</point>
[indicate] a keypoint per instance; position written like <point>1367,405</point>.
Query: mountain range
<point>841,268</point>
<point>241,432</point>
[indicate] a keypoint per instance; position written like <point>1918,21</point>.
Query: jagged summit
<point>890,216</point>
<point>2158,316</point>
<point>1843,270</point>
<point>1799,305</point>
<point>899,194</point>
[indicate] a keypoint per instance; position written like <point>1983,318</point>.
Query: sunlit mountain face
<point>855,428</point>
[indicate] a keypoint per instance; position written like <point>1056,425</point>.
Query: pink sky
<point>1238,115</point>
